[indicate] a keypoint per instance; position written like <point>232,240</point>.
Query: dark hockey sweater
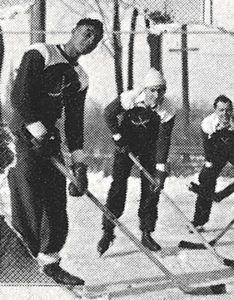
<point>46,82</point>
<point>218,141</point>
<point>142,128</point>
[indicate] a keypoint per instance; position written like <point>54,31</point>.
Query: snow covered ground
<point>123,272</point>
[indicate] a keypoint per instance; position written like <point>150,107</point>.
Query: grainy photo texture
<point>116,149</point>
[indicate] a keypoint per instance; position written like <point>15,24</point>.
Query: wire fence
<point>210,60</point>
<point>209,49</point>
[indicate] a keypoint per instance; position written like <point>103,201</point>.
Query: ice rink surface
<point>123,272</point>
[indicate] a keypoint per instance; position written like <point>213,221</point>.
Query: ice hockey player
<point>140,123</point>
<point>218,140</point>
<point>49,80</point>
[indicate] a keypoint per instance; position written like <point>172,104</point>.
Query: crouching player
<point>139,123</point>
<point>218,139</point>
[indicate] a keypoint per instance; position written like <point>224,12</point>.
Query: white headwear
<point>131,98</point>
<point>154,78</point>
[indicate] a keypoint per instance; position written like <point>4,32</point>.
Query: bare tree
<point>155,40</point>
<point>1,50</point>
<point>111,13</point>
<point>117,48</point>
<point>131,48</point>
<point>37,21</point>
<point>1,63</point>
<point>112,42</point>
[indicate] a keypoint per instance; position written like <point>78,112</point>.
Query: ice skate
<point>61,276</point>
<point>149,242</point>
<point>105,242</point>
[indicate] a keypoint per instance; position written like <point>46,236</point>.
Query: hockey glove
<point>120,143</point>
<point>80,172</point>
<point>160,175</point>
<point>46,147</point>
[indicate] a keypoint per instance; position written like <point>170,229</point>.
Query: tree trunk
<point>1,51</point>
<point>185,79</point>
<point>155,45</point>
<point>117,49</point>
<point>1,64</point>
<point>37,22</point>
<point>131,49</point>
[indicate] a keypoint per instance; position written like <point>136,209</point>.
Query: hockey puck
<point>218,289</point>
<point>228,262</point>
<point>190,245</point>
<point>212,243</point>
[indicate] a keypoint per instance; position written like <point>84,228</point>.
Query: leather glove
<point>160,177</point>
<point>120,143</point>
<point>80,172</point>
<point>46,147</point>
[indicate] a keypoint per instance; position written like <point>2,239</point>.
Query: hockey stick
<point>213,289</point>
<point>219,258</point>
<point>222,233</point>
<point>190,245</point>
<point>217,197</point>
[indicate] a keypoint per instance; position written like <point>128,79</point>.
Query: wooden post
<point>155,44</point>
<point>131,49</point>
<point>37,22</point>
<point>117,48</point>
<point>1,64</point>
<point>204,11</point>
<point>211,12</point>
<point>1,50</point>
<point>185,77</point>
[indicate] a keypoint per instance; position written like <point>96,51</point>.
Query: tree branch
<point>104,22</point>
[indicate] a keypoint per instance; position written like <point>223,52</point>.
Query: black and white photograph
<point>116,149</point>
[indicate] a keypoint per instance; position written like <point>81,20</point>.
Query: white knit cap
<point>154,78</point>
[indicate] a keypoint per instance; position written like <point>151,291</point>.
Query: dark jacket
<point>46,82</point>
<point>142,128</point>
<point>218,142</point>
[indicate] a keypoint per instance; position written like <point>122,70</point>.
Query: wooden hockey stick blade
<point>228,262</point>
<point>205,290</point>
<point>209,290</point>
<point>212,243</point>
<point>191,245</point>
<point>175,279</point>
<point>219,258</point>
